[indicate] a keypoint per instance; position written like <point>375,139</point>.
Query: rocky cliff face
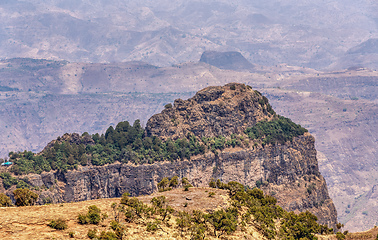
<point>287,171</point>
<point>211,112</point>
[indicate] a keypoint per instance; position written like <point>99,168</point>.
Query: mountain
<point>226,60</point>
<point>312,34</point>
<point>59,102</point>
<point>229,133</point>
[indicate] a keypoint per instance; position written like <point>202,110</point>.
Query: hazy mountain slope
<point>310,33</point>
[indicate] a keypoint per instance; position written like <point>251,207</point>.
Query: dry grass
<point>31,222</point>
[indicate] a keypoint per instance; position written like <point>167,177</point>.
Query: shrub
<point>212,183</point>
<point>340,236</point>
<point>82,219</point>
<point>118,228</point>
<point>5,201</point>
<point>24,197</point>
<point>93,216</point>
<point>211,194</point>
<point>58,224</point>
<point>92,233</point>
<point>71,234</point>
<point>187,186</point>
<point>169,105</point>
<point>173,182</point>
<point>152,226</point>
<point>109,235</point>
<point>163,184</point>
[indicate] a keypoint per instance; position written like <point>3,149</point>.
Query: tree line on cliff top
<point>128,144</point>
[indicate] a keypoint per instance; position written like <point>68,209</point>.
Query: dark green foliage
<point>163,184</point>
<point>340,236</point>
<point>169,105</point>
<point>248,207</point>
<point>58,224</point>
<point>128,143</point>
<point>183,222</point>
<point>212,183</point>
<point>234,187</point>
<point>108,235</point>
<point>5,201</point>
<point>92,233</point>
<point>93,216</point>
<point>24,197</point>
<point>301,226</point>
<point>125,143</point>
<point>135,210</point>
<point>118,228</point>
<point>173,182</point>
<point>223,222</point>
<point>8,180</point>
<point>22,184</point>
<point>275,131</point>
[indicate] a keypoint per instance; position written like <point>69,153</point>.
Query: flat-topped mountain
<point>227,60</point>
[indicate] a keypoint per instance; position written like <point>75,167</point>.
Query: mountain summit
<point>227,133</point>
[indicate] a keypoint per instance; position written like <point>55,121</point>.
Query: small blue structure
<point>6,164</point>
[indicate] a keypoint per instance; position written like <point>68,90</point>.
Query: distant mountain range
<point>316,34</point>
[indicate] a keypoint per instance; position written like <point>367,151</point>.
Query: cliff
<point>288,170</point>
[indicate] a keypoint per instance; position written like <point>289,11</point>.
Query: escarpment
<point>229,133</point>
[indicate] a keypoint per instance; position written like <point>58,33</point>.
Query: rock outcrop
<point>288,171</point>
<point>213,111</point>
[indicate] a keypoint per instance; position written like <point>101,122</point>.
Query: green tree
<point>183,222</point>
<point>234,187</point>
<point>163,184</point>
<point>223,222</point>
<point>5,201</point>
<point>173,182</point>
<point>25,197</point>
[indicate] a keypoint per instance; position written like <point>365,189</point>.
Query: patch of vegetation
<point>25,197</point>
<point>263,212</point>
<point>5,201</point>
<point>276,131</point>
<point>8,180</point>
<point>58,224</point>
<point>93,216</point>
<point>128,144</point>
